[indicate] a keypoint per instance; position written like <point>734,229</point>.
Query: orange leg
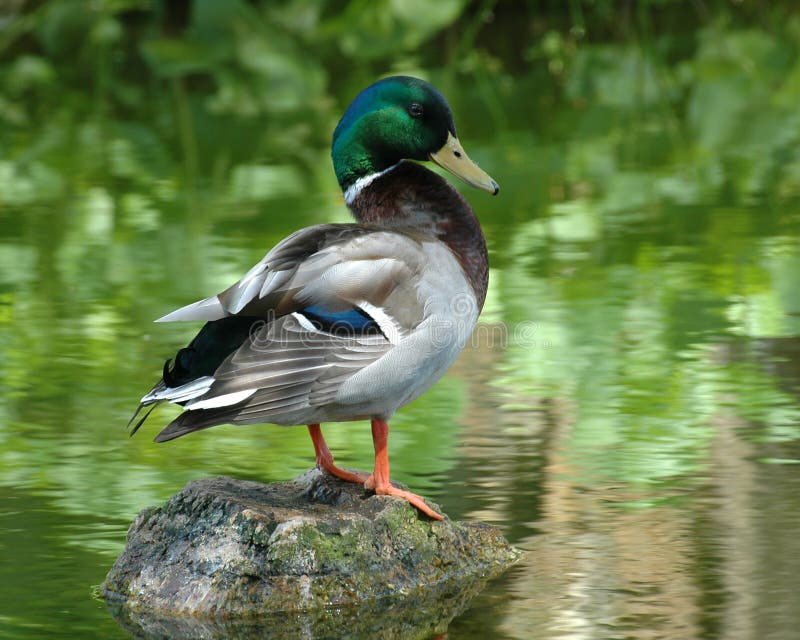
<point>325,457</point>
<point>379,480</point>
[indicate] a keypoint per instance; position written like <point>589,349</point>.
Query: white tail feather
<point>185,392</point>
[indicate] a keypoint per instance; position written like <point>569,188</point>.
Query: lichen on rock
<point>222,549</point>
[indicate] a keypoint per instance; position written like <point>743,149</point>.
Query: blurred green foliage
<point>129,90</point>
<point>133,90</point>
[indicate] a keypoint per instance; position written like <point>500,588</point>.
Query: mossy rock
<point>314,550</point>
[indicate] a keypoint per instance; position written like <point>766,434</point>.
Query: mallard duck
<point>347,321</point>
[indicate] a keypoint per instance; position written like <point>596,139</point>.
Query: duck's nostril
<point>457,154</point>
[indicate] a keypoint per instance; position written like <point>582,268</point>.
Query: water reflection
<point>639,442</point>
<point>705,552</point>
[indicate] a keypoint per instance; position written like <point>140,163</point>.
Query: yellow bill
<point>453,158</point>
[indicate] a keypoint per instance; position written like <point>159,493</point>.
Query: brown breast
<point>411,196</point>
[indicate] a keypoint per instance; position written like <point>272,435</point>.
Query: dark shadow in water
<point>415,617</point>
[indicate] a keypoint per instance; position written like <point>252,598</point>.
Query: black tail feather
<point>166,375</point>
<point>142,419</point>
<point>209,348</point>
<point>133,417</point>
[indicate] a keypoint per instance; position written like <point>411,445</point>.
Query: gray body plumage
<point>288,372</point>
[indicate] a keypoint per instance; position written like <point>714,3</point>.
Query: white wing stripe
<point>385,322</point>
<point>305,322</point>
<point>225,400</point>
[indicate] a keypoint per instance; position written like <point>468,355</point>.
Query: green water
<point>627,413</point>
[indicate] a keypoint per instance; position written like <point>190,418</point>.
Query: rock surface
<point>222,549</point>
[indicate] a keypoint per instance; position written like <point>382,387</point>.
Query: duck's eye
<point>415,110</point>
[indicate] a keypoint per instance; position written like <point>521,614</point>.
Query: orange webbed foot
<point>411,498</point>
<point>379,481</point>
<point>381,486</point>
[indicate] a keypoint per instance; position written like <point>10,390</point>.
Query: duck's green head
<point>400,118</point>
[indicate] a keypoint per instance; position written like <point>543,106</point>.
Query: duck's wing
<point>299,269</point>
<point>285,373</point>
<point>323,305</point>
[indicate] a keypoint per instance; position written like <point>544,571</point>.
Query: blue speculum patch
<point>353,322</point>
